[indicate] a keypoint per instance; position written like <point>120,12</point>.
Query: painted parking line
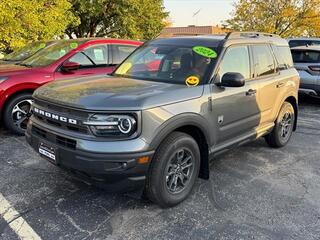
<point>16,222</point>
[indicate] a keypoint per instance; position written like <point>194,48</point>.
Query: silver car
<point>307,61</point>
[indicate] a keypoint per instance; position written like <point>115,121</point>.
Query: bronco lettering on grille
<point>54,116</point>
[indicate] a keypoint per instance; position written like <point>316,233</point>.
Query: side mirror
<point>232,79</point>
<point>70,66</point>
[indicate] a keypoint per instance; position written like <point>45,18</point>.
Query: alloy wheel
<point>21,113</point>
<point>286,126</point>
<point>179,170</point>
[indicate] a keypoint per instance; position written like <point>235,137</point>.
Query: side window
<point>120,52</point>
<point>91,56</point>
<point>283,56</point>
<point>263,60</point>
<point>82,59</point>
<point>236,59</point>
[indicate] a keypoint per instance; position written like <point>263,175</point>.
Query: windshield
<point>51,54</point>
<point>166,63</point>
<point>25,52</point>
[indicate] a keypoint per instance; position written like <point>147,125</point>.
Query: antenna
<point>195,14</point>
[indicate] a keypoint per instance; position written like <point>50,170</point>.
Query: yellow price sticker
<point>192,81</point>
<point>124,68</point>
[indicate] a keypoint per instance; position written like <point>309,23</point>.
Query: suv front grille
<point>78,116</point>
<point>59,140</point>
<point>74,128</point>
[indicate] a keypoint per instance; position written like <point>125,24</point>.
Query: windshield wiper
<point>24,64</point>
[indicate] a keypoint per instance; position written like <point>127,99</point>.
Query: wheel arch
<point>11,96</point>
<point>193,125</point>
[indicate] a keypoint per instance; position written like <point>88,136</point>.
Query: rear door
<point>93,60</point>
<point>307,62</point>
<point>266,76</point>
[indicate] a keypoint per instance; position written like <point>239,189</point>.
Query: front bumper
<point>115,171</point>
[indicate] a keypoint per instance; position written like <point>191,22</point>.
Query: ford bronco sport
<point>169,108</point>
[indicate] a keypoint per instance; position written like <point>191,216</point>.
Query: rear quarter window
<point>283,56</point>
<point>263,60</point>
<point>305,56</point>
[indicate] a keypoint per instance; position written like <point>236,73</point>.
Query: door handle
<point>280,84</point>
<point>251,92</point>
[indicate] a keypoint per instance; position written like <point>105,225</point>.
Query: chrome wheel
<point>20,113</point>
<point>286,126</point>
<point>179,170</point>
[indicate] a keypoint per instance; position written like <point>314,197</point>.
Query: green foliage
<point>136,19</point>
<point>284,17</point>
<point>22,21</point>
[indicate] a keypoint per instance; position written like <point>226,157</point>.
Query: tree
<point>136,19</point>
<point>284,17</point>
<point>23,21</point>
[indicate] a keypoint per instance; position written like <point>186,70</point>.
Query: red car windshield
<point>51,54</point>
<point>25,52</point>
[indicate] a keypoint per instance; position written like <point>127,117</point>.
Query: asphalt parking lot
<point>254,192</point>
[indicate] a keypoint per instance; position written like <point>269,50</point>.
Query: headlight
<point>2,79</point>
<point>112,125</point>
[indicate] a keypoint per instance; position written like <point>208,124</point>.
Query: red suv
<point>64,59</point>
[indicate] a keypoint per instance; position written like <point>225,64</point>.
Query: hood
<point>3,62</point>
<point>13,69</point>
<point>113,93</point>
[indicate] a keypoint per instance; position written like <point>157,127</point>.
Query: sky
<point>212,12</point>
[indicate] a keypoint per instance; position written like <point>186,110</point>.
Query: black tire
<point>11,121</point>
<point>159,188</point>
<point>280,135</point>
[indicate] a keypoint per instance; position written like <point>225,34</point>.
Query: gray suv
<point>307,61</point>
<point>167,110</point>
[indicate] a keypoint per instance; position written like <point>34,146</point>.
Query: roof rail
<point>234,35</point>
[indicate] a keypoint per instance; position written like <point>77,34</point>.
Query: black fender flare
<point>181,120</point>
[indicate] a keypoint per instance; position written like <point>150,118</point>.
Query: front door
<point>94,60</point>
<point>235,109</point>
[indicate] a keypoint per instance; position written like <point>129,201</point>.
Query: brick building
<point>193,30</point>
